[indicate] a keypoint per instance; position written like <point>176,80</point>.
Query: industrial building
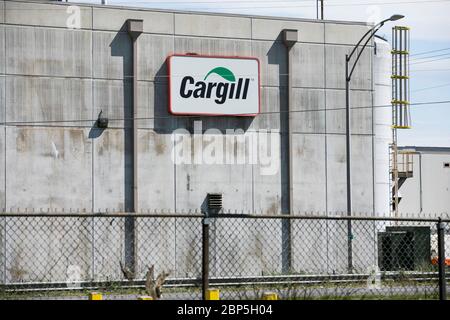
<point>425,190</point>
<point>68,108</point>
<point>56,80</point>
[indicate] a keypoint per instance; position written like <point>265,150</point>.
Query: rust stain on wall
<point>160,148</point>
<point>22,140</point>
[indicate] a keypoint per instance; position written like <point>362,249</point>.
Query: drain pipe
<point>290,38</point>
<point>134,29</point>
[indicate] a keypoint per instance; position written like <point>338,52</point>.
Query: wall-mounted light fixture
<point>102,122</point>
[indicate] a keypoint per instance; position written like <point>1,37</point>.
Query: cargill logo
<point>229,88</point>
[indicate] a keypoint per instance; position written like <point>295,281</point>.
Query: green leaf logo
<point>223,72</point>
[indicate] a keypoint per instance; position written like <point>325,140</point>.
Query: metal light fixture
<point>396,17</point>
<point>102,122</point>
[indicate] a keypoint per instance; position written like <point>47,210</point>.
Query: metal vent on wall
<point>214,202</point>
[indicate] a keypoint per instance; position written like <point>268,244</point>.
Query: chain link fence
<point>316,258</point>
<point>62,256</point>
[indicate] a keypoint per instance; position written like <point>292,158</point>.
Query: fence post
<point>441,260</point>
<point>205,256</point>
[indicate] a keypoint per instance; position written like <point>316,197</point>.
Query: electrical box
<point>404,248</point>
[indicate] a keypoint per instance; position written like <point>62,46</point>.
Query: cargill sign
<point>212,85</point>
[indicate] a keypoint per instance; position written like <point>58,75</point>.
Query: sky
<point>429,21</point>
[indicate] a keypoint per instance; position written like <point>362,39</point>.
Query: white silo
<point>382,124</point>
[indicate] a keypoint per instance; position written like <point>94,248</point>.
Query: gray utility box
<point>404,248</point>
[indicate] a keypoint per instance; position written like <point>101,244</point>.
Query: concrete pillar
<point>289,39</point>
<point>134,29</point>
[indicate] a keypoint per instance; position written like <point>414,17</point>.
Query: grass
<point>333,291</point>
<point>78,293</point>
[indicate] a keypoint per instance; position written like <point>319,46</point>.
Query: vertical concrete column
<point>134,29</point>
<point>289,39</point>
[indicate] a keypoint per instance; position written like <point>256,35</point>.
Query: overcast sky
<point>430,30</point>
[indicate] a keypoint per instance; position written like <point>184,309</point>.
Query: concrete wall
<point>55,80</point>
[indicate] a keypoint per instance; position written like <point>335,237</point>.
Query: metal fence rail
<point>299,257</point>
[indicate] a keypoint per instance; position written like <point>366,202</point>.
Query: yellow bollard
<point>212,294</point>
<point>270,296</point>
<point>95,296</point>
<point>145,298</point>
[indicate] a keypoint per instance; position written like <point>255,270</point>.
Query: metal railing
<point>405,163</point>
<point>59,255</point>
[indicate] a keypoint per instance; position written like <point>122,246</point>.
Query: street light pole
<point>348,142</point>
<point>348,76</point>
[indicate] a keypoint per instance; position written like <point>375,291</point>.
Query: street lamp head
<point>396,17</point>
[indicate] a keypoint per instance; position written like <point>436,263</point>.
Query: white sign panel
<point>210,85</point>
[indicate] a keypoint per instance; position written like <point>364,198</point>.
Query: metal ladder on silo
<point>401,118</point>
